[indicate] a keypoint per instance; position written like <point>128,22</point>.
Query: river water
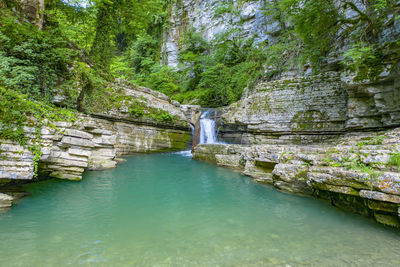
<point>169,210</point>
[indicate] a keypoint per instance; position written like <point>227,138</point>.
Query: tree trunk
<point>39,14</point>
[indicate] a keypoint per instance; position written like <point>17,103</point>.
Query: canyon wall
<point>313,108</point>
<point>96,141</point>
<point>295,105</point>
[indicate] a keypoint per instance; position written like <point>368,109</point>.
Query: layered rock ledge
<point>96,141</point>
<point>359,172</point>
<point>312,108</point>
<point>90,144</point>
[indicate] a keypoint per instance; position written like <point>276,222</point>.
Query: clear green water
<point>169,210</point>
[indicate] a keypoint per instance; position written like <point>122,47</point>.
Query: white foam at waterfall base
<point>185,153</point>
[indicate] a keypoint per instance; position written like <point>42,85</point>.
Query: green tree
<point>102,48</point>
<point>192,55</point>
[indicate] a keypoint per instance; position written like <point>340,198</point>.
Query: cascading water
<point>208,134</point>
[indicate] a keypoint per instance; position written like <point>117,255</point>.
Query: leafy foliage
<point>315,23</point>
<point>211,74</point>
<point>43,63</point>
<point>123,39</point>
<point>73,20</point>
<point>164,79</point>
<point>31,61</point>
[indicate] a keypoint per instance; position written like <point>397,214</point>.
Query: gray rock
<point>78,133</point>
<point>251,21</point>
<point>101,132</point>
<point>301,104</point>
<point>79,152</point>
<point>5,201</point>
<point>380,196</point>
<point>74,141</point>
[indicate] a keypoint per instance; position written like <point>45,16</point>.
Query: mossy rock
<point>387,219</point>
<point>179,141</point>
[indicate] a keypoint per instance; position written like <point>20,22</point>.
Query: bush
<point>16,110</point>
<point>216,80</point>
<point>163,79</point>
<point>31,61</point>
<point>365,60</point>
<point>143,54</point>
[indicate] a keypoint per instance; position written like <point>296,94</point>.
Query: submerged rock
<point>5,201</point>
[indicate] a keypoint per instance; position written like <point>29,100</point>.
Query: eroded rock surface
<point>88,144</point>
<point>315,107</point>
<point>5,201</point>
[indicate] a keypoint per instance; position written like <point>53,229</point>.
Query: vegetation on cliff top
<point>84,45</point>
<point>311,33</point>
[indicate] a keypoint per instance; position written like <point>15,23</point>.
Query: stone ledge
<point>92,144</point>
<point>303,169</point>
<point>380,196</point>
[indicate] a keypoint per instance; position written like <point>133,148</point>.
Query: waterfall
<point>208,134</point>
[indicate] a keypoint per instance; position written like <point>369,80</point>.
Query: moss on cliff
<point>179,141</point>
<point>309,120</point>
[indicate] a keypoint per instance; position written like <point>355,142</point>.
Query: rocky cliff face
<point>250,19</point>
<point>311,107</point>
<point>320,136</point>
<point>326,104</point>
<point>96,141</point>
<point>201,14</point>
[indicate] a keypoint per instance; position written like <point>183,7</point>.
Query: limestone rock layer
<point>356,172</point>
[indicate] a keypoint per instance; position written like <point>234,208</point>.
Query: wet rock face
<point>356,172</point>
